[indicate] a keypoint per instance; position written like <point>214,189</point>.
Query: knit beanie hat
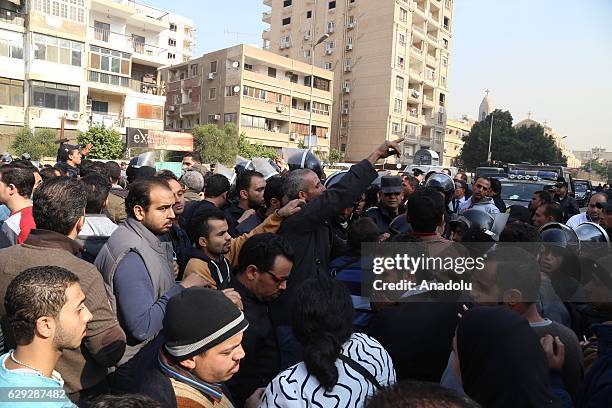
<point>198,319</point>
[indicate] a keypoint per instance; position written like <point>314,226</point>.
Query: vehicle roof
<point>540,181</point>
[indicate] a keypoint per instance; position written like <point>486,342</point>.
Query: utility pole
<point>490,137</point>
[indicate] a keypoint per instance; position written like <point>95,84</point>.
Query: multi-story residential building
<point>596,153</point>
<point>456,130</point>
<point>572,161</point>
<point>86,62</point>
<point>391,62</point>
<point>267,96</point>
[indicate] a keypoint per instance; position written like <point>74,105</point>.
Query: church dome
<point>486,107</point>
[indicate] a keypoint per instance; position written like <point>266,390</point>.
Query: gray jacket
<point>487,205</point>
<point>156,253</point>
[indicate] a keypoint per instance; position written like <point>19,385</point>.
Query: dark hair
<point>34,293</point>
<point>198,226</point>
<point>261,250</point>
<point>243,181</point>
<point>496,185</point>
<point>516,269</point>
<point>95,167</point>
<point>113,170</point>
<point>217,184</point>
<point>140,193</point>
<point>425,209</point>
<point>484,178</point>
<point>371,196</point>
<point>416,394</point>
<point>125,401</point>
<point>59,203</point>
<point>24,164</point>
<point>414,183</point>
<point>361,231</point>
<point>97,188</point>
<point>62,168</point>
<point>519,231</point>
<point>22,179</point>
<point>322,322</point>
<point>194,155</point>
<point>274,189</point>
<point>463,176</point>
<point>167,175</point>
<point>545,196</point>
<point>48,173</point>
<point>553,210</point>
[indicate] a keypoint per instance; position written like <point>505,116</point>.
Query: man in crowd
<point>116,198</point>
<point>46,311</point>
<point>568,204</point>
<point>193,161</point>
<point>546,213</point>
<point>264,264</point>
<point>390,203</point>
<point>97,227</point>
<point>409,185</point>
<point>606,214</point>
<point>250,186</point>
<point>59,209</point>
<point>70,156</point>
<point>216,251</point>
<point>197,359</point>
<point>459,197</point>
<point>539,198</point>
<point>592,214</point>
<point>480,199</point>
<point>419,175</point>
<point>194,185</point>
<point>16,186</point>
<point>495,194</point>
<point>309,234</point>
<point>215,196</point>
<point>138,268</point>
<point>273,197</point>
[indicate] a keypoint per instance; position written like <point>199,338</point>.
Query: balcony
<point>266,34</point>
<point>190,108</point>
<point>428,100</point>
<point>108,120</point>
<point>150,124</point>
<point>414,94</point>
<point>419,30</point>
<point>267,3</point>
<point>11,17</point>
<point>104,78</point>
<point>433,38</point>
<point>266,17</point>
<point>431,59</point>
<point>416,50</point>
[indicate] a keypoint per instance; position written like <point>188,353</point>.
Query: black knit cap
<point>198,319</point>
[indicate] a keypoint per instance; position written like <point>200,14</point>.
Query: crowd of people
<point>124,286</point>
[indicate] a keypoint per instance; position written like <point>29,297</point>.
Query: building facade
<point>77,63</point>
<point>267,96</point>
<point>572,161</point>
<point>391,62</point>
<point>456,130</point>
<point>596,153</point>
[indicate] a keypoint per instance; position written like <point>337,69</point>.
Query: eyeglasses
<point>278,279</point>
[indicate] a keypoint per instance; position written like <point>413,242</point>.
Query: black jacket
<point>232,213</point>
<point>262,358</point>
<point>310,235</point>
<point>190,210</point>
<point>499,203</point>
<point>569,206</point>
<point>382,217</point>
<point>252,222</point>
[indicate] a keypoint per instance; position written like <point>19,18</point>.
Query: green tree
<point>38,145</point>
<point>334,156</point>
<point>509,145</point>
<point>215,144</point>
<point>249,150</point>
<point>107,143</point>
<point>595,166</point>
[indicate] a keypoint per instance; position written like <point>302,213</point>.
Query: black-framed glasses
<point>278,279</point>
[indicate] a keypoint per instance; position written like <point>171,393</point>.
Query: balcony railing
<point>11,17</point>
<point>101,34</point>
<point>419,29</point>
<point>150,88</point>
<point>119,41</point>
<point>432,38</point>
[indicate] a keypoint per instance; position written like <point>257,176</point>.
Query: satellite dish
<point>237,88</point>
<point>235,64</point>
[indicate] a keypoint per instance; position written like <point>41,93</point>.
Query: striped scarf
<point>212,391</point>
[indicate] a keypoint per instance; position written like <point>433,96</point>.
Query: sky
<point>552,58</point>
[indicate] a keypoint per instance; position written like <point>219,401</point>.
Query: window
<point>401,38</point>
<point>399,83</point>
<point>286,21</point>
<point>447,23</point>
<point>171,42</point>
<point>253,122</point>
<point>331,5</point>
<point>171,56</point>
<point>307,54</point>
<point>445,42</point>
<point>57,50</point>
<point>397,106</point>
<point>101,31</point>
<point>287,3</point>
<point>256,93</point>
<point>107,60</point>
<point>309,14</point>
<point>248,67</point>
<point>99,107</point>
<point>319,83</point>
<point>176,99</point>
<point>403,15</point>
<point>396,128</point>
<point>73,10</point>
<point>194,70</point>
<point>285,41</point>
<point>400,62</point>
<point>272,72</point>
<point>328,66</point>
<point>212,118</point>
<point>11,48</point>
<point>213,67</point>
<point>55,96</point>
<point>230,118</point>
<point>173,27</point>
<point>232,90</point>
<point>320,108</point>
<point>445,61</point>
<point>331,26</point>
<point>11,92</point>
<point>212,94</point>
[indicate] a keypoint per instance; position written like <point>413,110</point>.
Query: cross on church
<point>529,115</point>
<point>487,91</point>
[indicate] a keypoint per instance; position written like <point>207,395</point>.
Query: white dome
<point>486,107</point>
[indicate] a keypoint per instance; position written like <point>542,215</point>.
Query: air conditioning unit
<point>306,36</point>
<point>73,116</point>
<point>349,47</point>
<point>347,68</point>
<point>326,136</point>
<point>217,117</point>
<point>293,136</point>
<point>345,111</point>
<point>329,51</point>
<point>350,25</point>
<point>346,89</point>
<point>280,108</point>
<point>211,76</point>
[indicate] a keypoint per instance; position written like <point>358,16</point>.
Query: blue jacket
<point>347,269</point>
<point>596,389</point>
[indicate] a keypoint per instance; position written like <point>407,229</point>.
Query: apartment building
<point>456,130</point>
<point>85,62</point>
<point>391,62</point>
<point>572,161</point>
<point>267,96</point>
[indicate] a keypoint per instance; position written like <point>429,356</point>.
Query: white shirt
<point>576,220</point>
<point>452,203</point>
